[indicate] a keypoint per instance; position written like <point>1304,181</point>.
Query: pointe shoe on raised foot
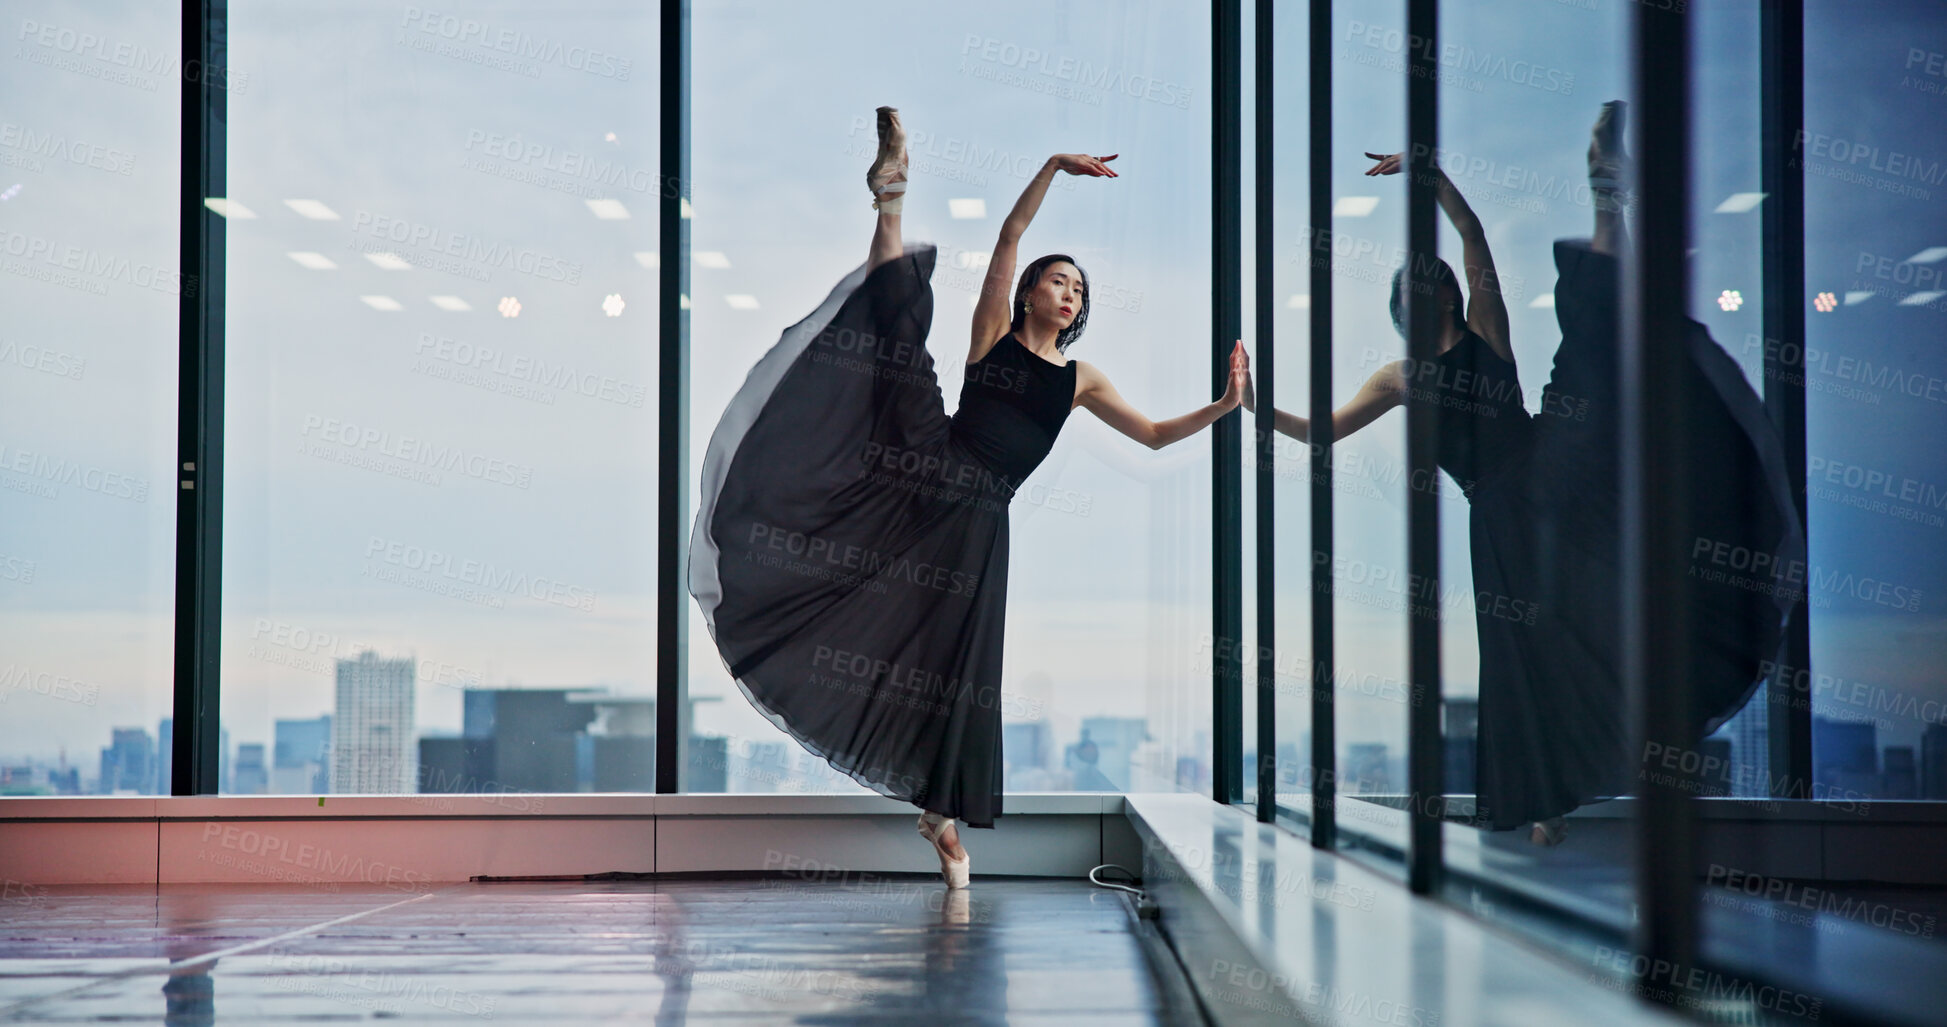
<point>887,175</point>
<point>932,826</point>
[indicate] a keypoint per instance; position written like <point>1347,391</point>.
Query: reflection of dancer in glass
<point>1544,499</point>
<point>850,546</point>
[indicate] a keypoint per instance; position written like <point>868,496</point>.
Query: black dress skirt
<point>850,547</point>
<point>1544,535</point>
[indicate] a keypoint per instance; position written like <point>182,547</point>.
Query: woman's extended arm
<point>1095,393</point>
<point>991,314</point>
<point>1383,391</point>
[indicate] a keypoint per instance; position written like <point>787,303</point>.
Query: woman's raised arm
<point>991,314</point>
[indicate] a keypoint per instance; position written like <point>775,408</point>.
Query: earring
<point>1028,307</point>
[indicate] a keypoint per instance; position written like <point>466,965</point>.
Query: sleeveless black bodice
<point>1012,407</point>
<point>1483,424</point>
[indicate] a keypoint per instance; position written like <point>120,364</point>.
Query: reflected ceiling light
<point>609,138</point>
<point>389,261</point>
<point>1730,299</point>
<point>1825,303</point>
<point>1545,301</point>
<point>226,208</point>
<point>313,209</point>
<point>686,208</point>
<point>1857,297</point>
<point>741,301</point>
<point>1740,203</point>
<point>12,191</point>
<point>968,209</point>
<point>1298,303</point>
<point>453,303</point>
<point>649,259</point>
<point>609,210</point>
<point>712,259</point>
<point>1354,206</point>
<point>972,260</point>
<point>314,261</point>
<point>1927,256</point>
<point>1921,299</point>
<point>509,307</point>
<point>683,300</point>
<point>381,303</point>
<point>612,304</point>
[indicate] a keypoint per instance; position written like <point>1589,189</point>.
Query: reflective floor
<point>888,948</point>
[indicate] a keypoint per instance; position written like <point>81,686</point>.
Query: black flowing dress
<point>1544,535</point>
<point>850,546</point>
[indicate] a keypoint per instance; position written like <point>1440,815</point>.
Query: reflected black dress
<point>1544,538</point>
<point>850,546</point>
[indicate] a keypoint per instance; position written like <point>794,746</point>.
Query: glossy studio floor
<point>880,948</point>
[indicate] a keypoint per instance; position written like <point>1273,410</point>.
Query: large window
<point>89,268</point>
<point>1105,685</point>
<point>439,518</point>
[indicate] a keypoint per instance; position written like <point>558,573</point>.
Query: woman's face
<point>1057,297</point>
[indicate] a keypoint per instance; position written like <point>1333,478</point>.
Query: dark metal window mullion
<point>1425,793</point>
<point>1318,252</point>
<point>1657,632</point>
<point>1267,629</point>
<point>1226,478</point>
<point>672,409</point>
<point>1781,27</point>
<point>196,729</point>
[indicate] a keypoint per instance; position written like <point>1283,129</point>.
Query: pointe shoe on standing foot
<point>932,826</point>
<point>887,175</point>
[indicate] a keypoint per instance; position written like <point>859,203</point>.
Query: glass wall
<point>89,264</point>
<point>1534,705</point>
<point>1296,666</point>
<point>1372,587</point>
<point>439,512</point>
<point>1108,629</point>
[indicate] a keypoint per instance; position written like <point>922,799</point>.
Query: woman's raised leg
<point>887,180</point>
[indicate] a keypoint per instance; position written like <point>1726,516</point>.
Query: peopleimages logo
<point>1079,72</point>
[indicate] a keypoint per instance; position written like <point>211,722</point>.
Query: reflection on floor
<point>894,948</point>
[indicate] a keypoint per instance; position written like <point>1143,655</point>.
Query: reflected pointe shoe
<point>1548,833</point>
<point>1611,172</point>
<point>887,175</point>
<point>932,826</point>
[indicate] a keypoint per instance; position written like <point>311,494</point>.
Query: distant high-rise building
<point>1027,744</point>
<point>1933,762</point>
<point>128,763</point>
<point>249,775</point>
<point>1845,758</point>
<point>301,757</point>
<point>1366,769</point>
<point>1115,740</point>
<point>1900,780</point>
<point>165,751</point>
<point>1749,734</point>
<point>1460,723</point>
<point>374,750</point>
<point>1715,773</point>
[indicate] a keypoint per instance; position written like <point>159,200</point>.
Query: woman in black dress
<point>850,546</point>
<point>1544,498</point>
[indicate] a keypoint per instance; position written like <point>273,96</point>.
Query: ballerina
<point>850,546</point>
<point>1544,502</point>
